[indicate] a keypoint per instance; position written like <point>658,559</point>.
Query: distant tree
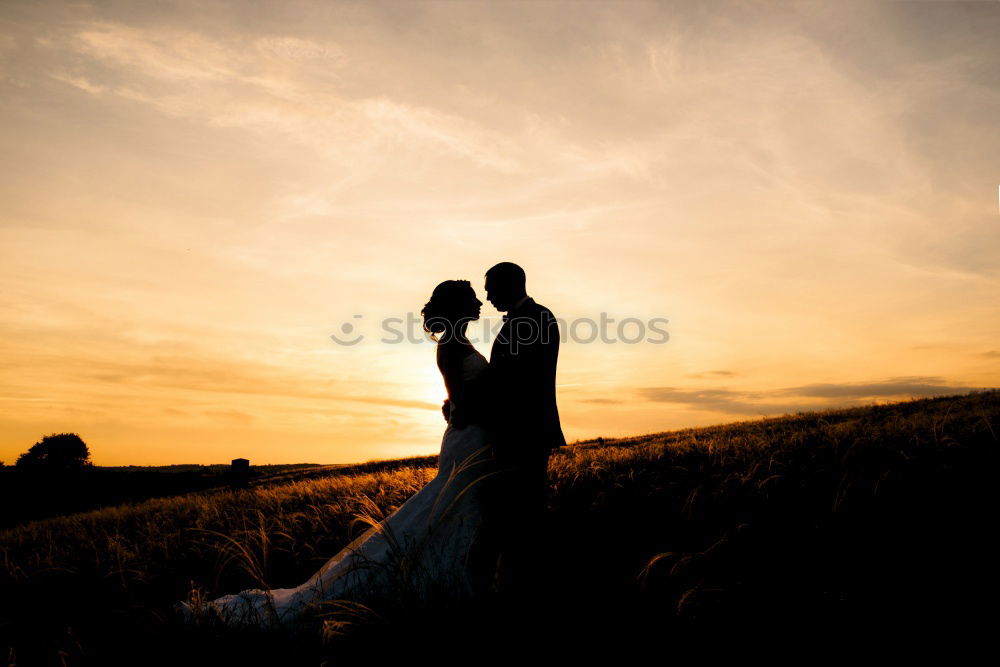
<point>60,451</point>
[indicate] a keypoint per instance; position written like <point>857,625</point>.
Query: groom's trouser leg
<point>523,516</point>
<point>536,496</point>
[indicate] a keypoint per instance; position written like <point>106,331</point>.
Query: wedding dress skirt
<point>420,551</point>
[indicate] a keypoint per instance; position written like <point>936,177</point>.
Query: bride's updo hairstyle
<point>448,306</point>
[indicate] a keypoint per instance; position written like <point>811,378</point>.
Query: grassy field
<point>876,520</point>
<point>41,492</point>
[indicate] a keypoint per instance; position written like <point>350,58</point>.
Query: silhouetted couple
<point>474,528</point>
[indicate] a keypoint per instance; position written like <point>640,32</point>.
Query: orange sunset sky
<point>196,195</point>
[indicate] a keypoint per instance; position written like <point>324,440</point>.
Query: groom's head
<point>505,285</point>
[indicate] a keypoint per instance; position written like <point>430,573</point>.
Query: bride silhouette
<point>425,548</point>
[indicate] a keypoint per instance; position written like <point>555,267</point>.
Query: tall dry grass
<point>828,516</point>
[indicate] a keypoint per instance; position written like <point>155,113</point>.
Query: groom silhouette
<point>516,401</point>
<point>522,417</point>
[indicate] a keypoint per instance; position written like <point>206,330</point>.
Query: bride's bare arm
<point>449,362</point>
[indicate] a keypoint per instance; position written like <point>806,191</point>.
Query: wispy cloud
<point>753,402</point>
<point>282,86</point>
<point>900,386</point>
<point>719,400</point>
<point>198,194</point>
<point>711,374</point>
<point>199,374</point>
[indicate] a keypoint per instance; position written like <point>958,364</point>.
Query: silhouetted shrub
<point>62,451</point>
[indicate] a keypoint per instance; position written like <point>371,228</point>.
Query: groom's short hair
<point>508,273</point>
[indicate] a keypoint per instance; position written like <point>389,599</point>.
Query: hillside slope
<point>839,522</point>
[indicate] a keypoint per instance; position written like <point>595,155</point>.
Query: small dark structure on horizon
<point>239,473</point>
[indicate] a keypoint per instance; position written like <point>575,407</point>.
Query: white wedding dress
<point>419,551</point>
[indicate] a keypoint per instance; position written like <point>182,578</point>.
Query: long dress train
<point>420,551</point>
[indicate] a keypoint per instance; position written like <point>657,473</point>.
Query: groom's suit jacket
<point>522,377</point>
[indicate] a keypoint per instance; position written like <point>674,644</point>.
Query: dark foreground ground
<point>871,527</point>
